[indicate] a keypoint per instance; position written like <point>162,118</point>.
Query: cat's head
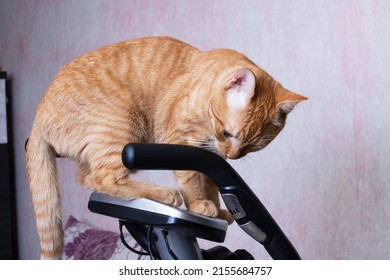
<point>248,112</point>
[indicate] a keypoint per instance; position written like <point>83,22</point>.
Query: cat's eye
<point>227,134</point>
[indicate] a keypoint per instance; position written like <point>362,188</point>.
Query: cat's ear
<point>286,100</point>
<point>240,88</point>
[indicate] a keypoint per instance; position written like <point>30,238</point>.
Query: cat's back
<point>118,72</point>
<point>140,57</point>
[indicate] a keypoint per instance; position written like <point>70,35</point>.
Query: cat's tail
<point>44,189</point>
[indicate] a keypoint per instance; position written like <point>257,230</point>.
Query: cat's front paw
<point>173,197</point>
<point>225,215</point>
<point>204,207</point>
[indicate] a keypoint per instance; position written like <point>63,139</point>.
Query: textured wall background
<point>325,179</point>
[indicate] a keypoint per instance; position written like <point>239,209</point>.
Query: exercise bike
<point>169,233</point>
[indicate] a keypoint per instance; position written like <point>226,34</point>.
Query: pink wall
<point>325,179</point>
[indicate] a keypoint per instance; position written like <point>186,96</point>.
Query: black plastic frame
<point>141,156</point>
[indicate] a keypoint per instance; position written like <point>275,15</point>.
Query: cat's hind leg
<point>84,175</point>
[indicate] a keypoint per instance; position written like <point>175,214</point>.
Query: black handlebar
<point>180,157</point>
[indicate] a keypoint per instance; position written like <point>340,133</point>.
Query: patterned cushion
<point>83,242</point>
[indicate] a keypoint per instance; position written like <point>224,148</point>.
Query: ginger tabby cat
<point>154,89</point>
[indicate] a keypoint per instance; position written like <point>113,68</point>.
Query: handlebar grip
<point>243,204</point>
<point>179,157</point>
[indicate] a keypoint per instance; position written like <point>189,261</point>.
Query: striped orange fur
<point>154,89</point>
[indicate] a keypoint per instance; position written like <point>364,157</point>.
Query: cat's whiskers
<point>242,162</point>
<point>265,140</point>
<point>207,144</point>
<point>252,159</point>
